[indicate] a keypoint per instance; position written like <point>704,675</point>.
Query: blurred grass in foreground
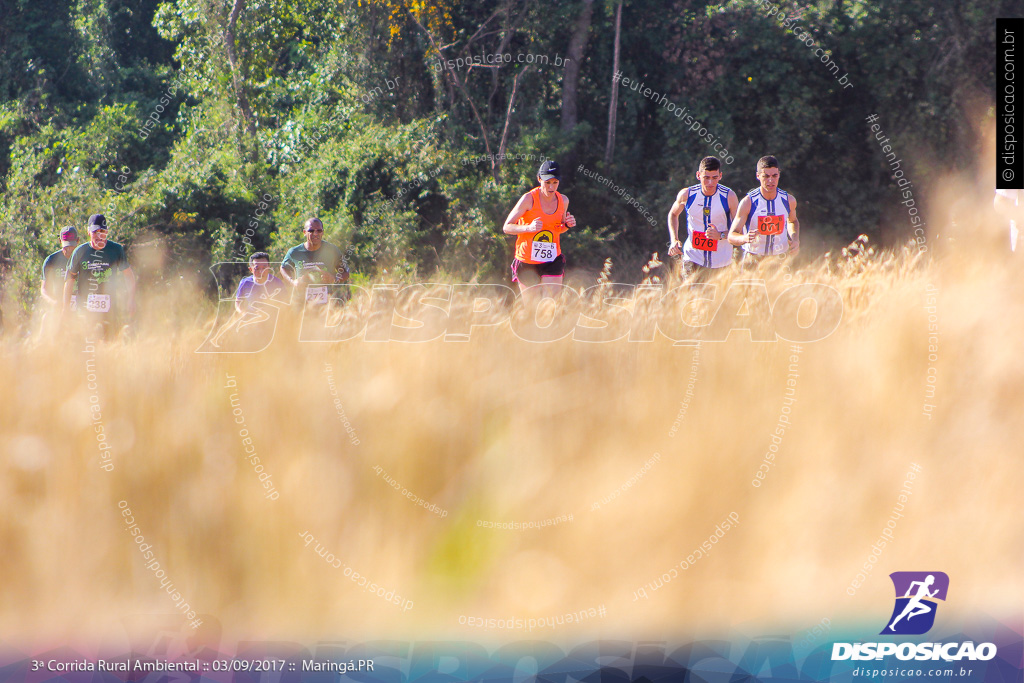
<point>501,430</point>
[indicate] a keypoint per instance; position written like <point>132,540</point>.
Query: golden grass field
<point>498,429</point>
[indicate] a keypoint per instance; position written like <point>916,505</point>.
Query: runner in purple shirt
<point>260,285</point>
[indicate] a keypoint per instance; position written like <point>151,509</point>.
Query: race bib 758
<point>543,251</point>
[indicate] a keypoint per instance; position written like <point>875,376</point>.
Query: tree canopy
<point>411,128</point>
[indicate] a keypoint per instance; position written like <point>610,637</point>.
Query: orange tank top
<point>542,246</point>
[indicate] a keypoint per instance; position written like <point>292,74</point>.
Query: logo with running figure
<point>916,596</point>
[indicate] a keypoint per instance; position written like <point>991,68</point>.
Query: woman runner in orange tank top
<point>538,221</point>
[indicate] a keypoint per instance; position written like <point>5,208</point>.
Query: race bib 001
<point>770,225</point>
<point>704,243</point>
<point>98,303</point>
<point>316,295</point>
<point>543,252</point>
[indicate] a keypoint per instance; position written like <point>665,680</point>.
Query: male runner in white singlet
<point>766,222</point>
<point>709,208</point>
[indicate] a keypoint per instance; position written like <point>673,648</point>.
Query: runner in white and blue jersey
<point>766,222</point>
<point>709,208</point>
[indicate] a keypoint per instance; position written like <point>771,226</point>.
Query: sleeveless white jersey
<point>701,212</point>
<point>766,217</point>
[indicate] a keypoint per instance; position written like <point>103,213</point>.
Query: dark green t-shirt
<point>99,272</point>
<point>55,269</point>
<point>300,261</point>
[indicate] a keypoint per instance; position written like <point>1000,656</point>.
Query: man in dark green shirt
<point>105,281</point>
<point>55,267</point>
<point>310,266</point>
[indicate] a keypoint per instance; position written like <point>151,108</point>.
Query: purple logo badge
<point>916,596</point>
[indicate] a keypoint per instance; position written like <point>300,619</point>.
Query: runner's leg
<point>550,287</point>
<point>527,277</point>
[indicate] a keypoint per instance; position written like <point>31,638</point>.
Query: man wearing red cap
<point>55,267</point>
<point>103,266</point>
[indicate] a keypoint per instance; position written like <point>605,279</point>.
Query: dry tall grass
<point>498,429</point>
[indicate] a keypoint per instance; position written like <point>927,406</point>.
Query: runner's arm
<point>46,295</point>
<point>736,236</point>
<point>511,227</point>
<point>283,270</point>
<point>794,228</point>
<point>723,233</point>
<point>239,300</point>
<point>733,210</point>
<point>341,274</point>
<point>673,222</point>
<point>569,221</point>
<point>69,288</point>
<point>279,292</point>
<point>910,588</point>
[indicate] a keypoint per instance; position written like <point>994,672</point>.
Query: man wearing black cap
<point>103,266</point>
<point>538,221</point>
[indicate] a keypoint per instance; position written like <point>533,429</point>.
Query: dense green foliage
<point>339,109</point>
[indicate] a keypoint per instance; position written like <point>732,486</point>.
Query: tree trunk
<point>508,120</point>
<point>454,76</point>
<point>571,76</point>
<point>613,104</point>
<point>237,82</point>
<point>512,25</point>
